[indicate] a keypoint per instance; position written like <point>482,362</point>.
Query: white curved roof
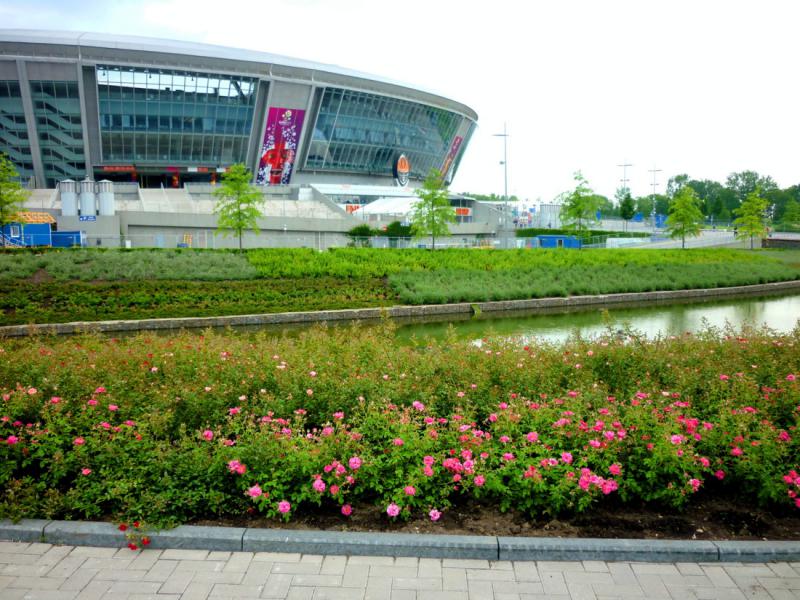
<point>147,44</point>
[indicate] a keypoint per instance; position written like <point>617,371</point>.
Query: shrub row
<point>173,429</point>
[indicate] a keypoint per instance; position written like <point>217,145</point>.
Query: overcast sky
<point>703,87</point>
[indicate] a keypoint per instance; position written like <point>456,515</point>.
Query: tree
<point>12,194</point>
<point>627,209</point>
<point>675,184</point>
<point>746,182</point>
<point>791,214</point>
<point>684,215</point>
<point>432,212</point>
<point>580,205</point>
<point>750,217</point>
<point>237,202</point>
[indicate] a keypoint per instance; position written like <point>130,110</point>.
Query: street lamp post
<point>654,184</point>
<point>504,135</point>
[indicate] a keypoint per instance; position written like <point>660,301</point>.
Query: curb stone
<point>237,539</point>
<point>370,544</point>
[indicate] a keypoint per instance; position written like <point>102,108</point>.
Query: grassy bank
<point>60,286</point>
<point>171,429</point>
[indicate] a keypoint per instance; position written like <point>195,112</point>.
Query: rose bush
<point>189,426</point>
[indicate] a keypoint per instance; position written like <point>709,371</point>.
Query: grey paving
<point>38,571</point>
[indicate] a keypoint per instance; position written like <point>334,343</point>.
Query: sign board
<point>279,149</point>
<point>119,168</point>
<point>87,218</point>
<point>402,170</point>
<point>463,211</point>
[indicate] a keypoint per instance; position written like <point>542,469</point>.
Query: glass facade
<point>167,117</point>
<point>57,110</point>
<point>361,132</point>
<point>13,131</point>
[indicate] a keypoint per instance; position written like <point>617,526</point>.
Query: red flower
<point>136,524</point>
<point>123,527</point>
<point>145,541</point>
<point>133,546</point>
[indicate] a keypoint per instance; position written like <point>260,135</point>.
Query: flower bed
<point>169,430</point>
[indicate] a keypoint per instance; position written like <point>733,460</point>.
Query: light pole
<point>504,162</point>
<point>654,184</point>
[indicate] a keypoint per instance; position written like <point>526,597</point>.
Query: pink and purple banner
<point>279,149</point>
<point>451,156</point>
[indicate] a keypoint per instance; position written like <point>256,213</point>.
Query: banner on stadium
<point>279,150</point>
<point>451,156</point>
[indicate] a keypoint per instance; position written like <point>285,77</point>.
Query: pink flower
<point>284,507</point>
<point>409,490</point>
<point>154,369</point>
<point>235,466</point>
<point>397,442</point>
<point>234,411</point>
<point>338,415</point>
<point>313,373</point>
<point>723,377</point>
<point>615,469</point>
<point>32,391</point>
<point>208,435</point>
<point>504,439</point>
<point>11,440</point>
<point>85,471</point>
<point>736,451</point>
<point>79,441</point>
<point>479,480</point>
<point>791,377</point>
<point>532,437</point>
<point>255,491</point>
<point>720,475</point>
<point>100,390</point>
<point>428,460</point>
<point>354,462</point>
<point>492,418</point>
<point>418,405</point>
<point>347,510</point>
<point>309,392</point>
<point>55,400</point>
<point>435,515</point>
<point>508,456</point>
<point>566,457</point>
<point>92,402</point>
<point>113,407</point>
<point>676,439</point>
<point>695,483</point>
<point>334,489</point>
<point>318,485</point>
<point>393,510</point>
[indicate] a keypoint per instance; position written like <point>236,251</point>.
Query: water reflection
<point>779,313</point>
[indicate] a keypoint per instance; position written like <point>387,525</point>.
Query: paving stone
<point>15,547</point>
<point>356,575</point>
<point>227,590</point>
<point>416,583</point>
<point>94,590</point>
<point>276,586</point>
<point>481,590</point>
<point>296,568</point>
<point>718,576</point>
<point>184,554</point>
<point>317,580</point>
<point>386,561</point>
<point>134,587</point>
<point>595,566</point>
<point>454,580</point>
<point>37,548</point>
<point>257,573</point>
<point>26,570</point>
<point>37,583</point>
<point>161,570</point>
<point>176,583</point>
<point>394,571</point>
<point>489,575</point>
<point>49,595</point>
<point>429,567</point>
<point>200,565</point>
<point>333,565</point>
<point>553,583</point>
<point>78,580</point>
<point>588,578</point>
<point>105,563</point>
<point>526,571</point>
<point>581,591</point>
<point>324,593</point>
<point>465,563</point>
<point>406,561</point>
<point>238,562</point>
<point>622,573</point>
<point>93,551</point>
<point>18,559</point>
<point>284,557</point>
<point>443,595</point>
<point>624,591</point>
<point>312,558</point>
<point>651,569</point>
<point>197,591</point>
<point>154,597</point>
<point>784,569</point>
<point>653,586</point>
<point>124,575</point>
<point>517,587</point>
<point>300,593</point>
<point>221,555</point>
<point>689,568</point>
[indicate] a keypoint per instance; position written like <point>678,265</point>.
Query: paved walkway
<point>46,572</point>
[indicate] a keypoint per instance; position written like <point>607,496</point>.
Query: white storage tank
<point>87,198</point>
<point>68,190</point>
<point>105,197</point>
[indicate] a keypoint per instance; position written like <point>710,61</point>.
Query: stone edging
<point>359,314</point>
<point>88,533</point>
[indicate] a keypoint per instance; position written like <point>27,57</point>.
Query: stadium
<point>124,138</point>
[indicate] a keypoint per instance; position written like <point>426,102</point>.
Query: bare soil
<point>709,519</point>
<point>41,276</point>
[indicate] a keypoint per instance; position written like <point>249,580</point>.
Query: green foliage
<point>751,218</point>
<point>580,205</point>
<point>627,208</point>
<point>396,229</point>
<point>791,214</point>
<point>432,212</point>
<point>12,194</point>
<point>120,265</point>
<point>685,217</point>
<point>173,429</point>
<point>237,202</point>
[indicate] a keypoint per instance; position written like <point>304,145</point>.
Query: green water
<point>780,313</point>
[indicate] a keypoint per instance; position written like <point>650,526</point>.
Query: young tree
<point>12,194</point>
<point>791,214</point>
<point>627,209</point>
<point>580,205</point>
<point>750,221</point>
<point>684,215</point>
<point>432,212</point>
<point>237,202</point>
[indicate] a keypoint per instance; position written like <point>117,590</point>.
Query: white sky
<point>705,87</point>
